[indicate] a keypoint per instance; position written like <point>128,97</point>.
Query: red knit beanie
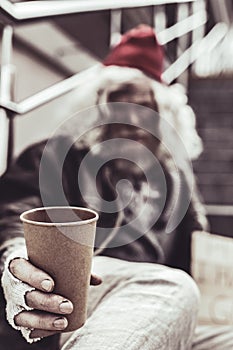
<point>138,48</point>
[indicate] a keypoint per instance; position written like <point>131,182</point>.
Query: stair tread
<point>212,102</point>
<point>215,179</point>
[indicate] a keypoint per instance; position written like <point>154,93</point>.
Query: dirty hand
<point>49,310</point>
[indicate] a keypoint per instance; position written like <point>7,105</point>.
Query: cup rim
<point>73,223</point>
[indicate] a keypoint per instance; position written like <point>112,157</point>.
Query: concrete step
<point>218,194</point>
<point>217,154</point>
<point>211,104</point>
<point>221,225</point>
<point>218,144</point>
<point>220,218</point>
<point>215,179</point>
<point>212,167</point>
<point>211,95</point>
<point>218,86</point>
<point>214,119</point>
<point>212,101</point>
<point>216,134</point>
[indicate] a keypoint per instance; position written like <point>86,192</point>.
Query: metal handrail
<point>183,27</point>
<point>76,80</point>
<point>219,210</point>
<point>50,93</point>
<point>37,9</point>
<point>197,49</point>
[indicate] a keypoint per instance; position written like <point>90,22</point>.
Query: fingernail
<point>47,285</point>
<point>33,335</point>
<point>66,306</point>
<point>60,323</point>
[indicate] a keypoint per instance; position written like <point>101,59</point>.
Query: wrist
<point>9,247</point>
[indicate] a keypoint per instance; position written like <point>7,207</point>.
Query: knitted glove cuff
<point>14,292</point>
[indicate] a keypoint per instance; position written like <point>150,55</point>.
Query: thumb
<point>95,280</point>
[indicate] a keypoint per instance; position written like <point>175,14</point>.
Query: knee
<point>174,283</point>
<point>187,287</point>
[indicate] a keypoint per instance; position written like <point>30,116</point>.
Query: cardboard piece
<point>60,241</point>
<point>212,261</point>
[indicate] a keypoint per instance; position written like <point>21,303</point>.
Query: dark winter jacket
<point>31,183</point>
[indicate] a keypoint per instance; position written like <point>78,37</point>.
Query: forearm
<point>19,191</point>
<point>10,211</point>
<point>11,228</point>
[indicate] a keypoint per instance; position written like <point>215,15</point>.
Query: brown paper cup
<point>60,241</point>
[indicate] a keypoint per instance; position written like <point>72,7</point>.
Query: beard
<point>125,155</point>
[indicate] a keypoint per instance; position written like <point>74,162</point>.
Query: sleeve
<point>21,187</point>
<point>19,191</point>
<point>194,219</point>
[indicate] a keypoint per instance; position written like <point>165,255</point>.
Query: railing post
<point>115,27</point>
<point>160,20</point>
<point>183,11</point>
<point>6,94</point>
